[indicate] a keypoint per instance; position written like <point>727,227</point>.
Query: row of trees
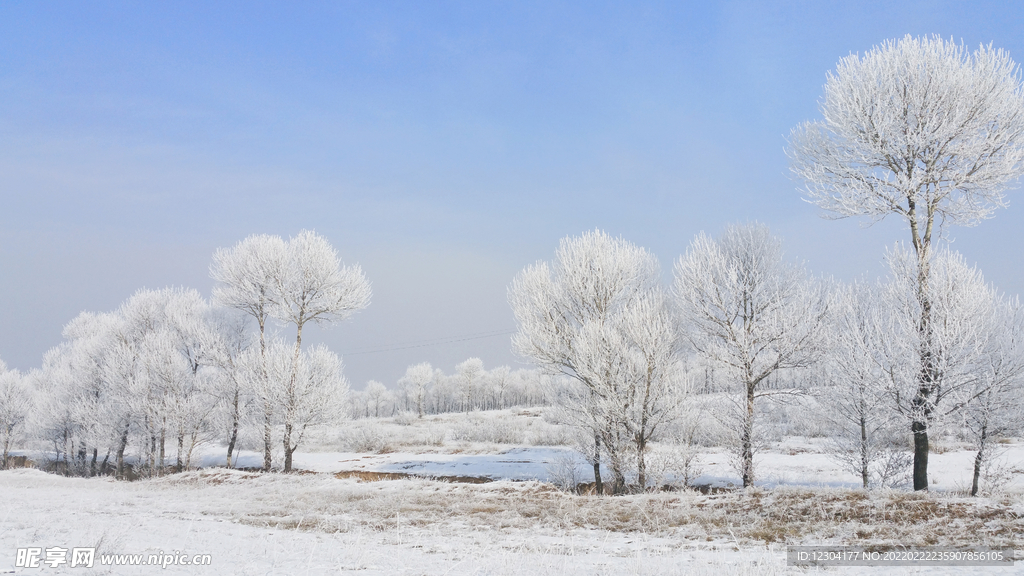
<point>930,132</point>
<point>873,367</point>
<point>168,367</point>
<point>424,389</point>
<point>919,128</point>
<point>631,348</point>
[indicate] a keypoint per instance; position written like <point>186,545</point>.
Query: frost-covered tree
<point>633,361</point>
<point>865,429</point>
<point>995,400</point>
<point>315,288</point>
<point>310,390</point>
<point>171,339</point>
<point>82,399</point>
<point>580,316</point>
<point>248,278</point>
<point>294,282</point>
<point>923,129</point>
<point>15,406</point>
<point>974,342</point>
<point>93,388</point>
<point>417,383</point>
<point>142,372</point>
<point>749,312</point>
<point>960,307</point>
<point>469,374</point>
<point>499,383</point>
<point>658,386</point>
<point>318,394</point>
<point>231,339</point>
<point>376,394</point>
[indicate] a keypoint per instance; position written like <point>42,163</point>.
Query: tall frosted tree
<point>750,313</point>
<point>316,288</point>
<point>231,339</point>
<point>248,278</point>
<point>294,282</point>
<point>77,396</point>
<point>594,314</point>
<point>167,338</point>
<point>925,130</point>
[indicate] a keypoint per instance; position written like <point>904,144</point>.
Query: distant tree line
<point>425,390</point>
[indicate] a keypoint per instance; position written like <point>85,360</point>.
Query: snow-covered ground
<point>318,523</point>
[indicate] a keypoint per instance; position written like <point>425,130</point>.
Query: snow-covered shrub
<point>566,470</point>
<point>673,465</point>
<point>794,413</point>
<point>370,439</point>
<point>405,418</point>
<point>542,433</point>
<point>496,430</point>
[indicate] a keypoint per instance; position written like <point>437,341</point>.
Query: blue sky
<point>443,146</point>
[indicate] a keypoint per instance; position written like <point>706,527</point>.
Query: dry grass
<point>781,515</point>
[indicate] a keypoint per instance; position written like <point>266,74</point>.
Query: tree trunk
<point>642,434</point>
<point>234,428</point>
<point>152,452</point>
<point>287,447</point>
<point>598,484</point>
<point>119,474</point>
<point>747,438</point>
<point>928,378</point>
<point>289,414</point>
<point>181,448</point>
<point>618,480</point>
<point>193,440</point>
<point>68,448</point>
<point>864,461</point>
<point>267,417</point>
<point>920,429</point>
<point>163,447</point>
<point>268,409</point>
<point>92,465</point>
<point>641,465</point>
<point>615,460</point>
<point>978,459</point>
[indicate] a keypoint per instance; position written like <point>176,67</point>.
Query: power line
<point>432,342</point>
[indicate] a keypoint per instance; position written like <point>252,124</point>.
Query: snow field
<point>317,523</point>
<point>314,523</point>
